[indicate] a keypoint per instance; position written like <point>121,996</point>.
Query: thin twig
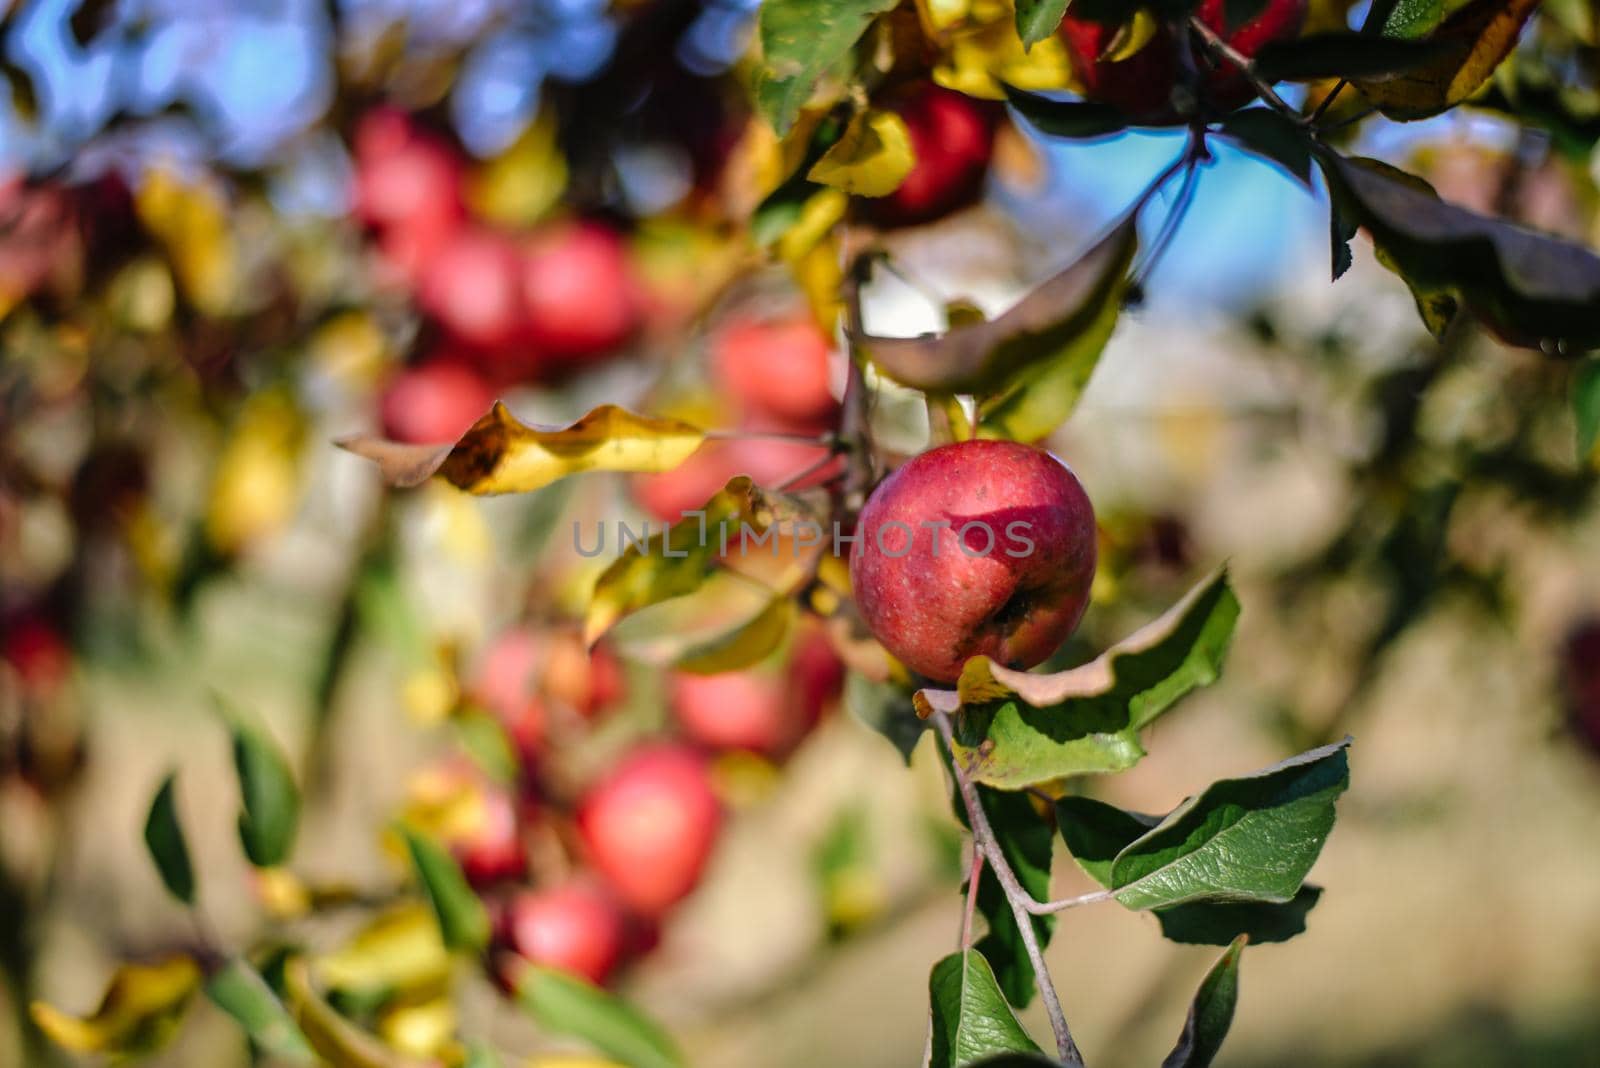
<point>972,898</point>
<point>1327,101</point>
<point>1016,896</point>
<point>1169,225</point>
<point>1045,908</point>
<point>1225,51</point>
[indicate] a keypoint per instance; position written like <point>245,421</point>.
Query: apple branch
<point>985,843</point>
<point>1233,57</point>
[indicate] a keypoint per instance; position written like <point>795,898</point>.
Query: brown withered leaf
<point>501,454</point>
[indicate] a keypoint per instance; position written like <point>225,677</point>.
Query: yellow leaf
<point>500,454</point>
<point>422,1030</point>
<point>138,1013</point>
<point>871,158</point>
<point>256,488</point>
<point>676,561</point>
<point>525,181</point>
<point>571,1060</point>
<point>336,1040</point>
<point>982,59</point>
<point>191,221</point>
<point>750,642</point>
<point>399,950</point>
<point>1131,37</point>
<point>1474,39</point>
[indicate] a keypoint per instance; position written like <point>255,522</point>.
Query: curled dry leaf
<point>501,454</point>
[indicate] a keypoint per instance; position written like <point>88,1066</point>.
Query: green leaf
<point>271,801</point>
<point>676,561</point>
<point>1017,729</point>
<point>1216,923</point>
<point>1469,44</point>
<point>1210,1015</point>
<point>463,923</point>
<point>1586,407</point>
<point>748,642</point>
<point>564,1004</point>
<point>1343,55</point>
<point>1403,18</point>
<point>241,992</point>
<point>1066,118</point>
<point>800,41</point>
<point>1247,839</point>
<point>970,1016</point>
<point>1096,832</point>
<point>163,837</point>
<point>1038,19</point>
<point>1266,133</point>
<point>1041,329</point>
<point>1018,1060</point>
<point>1028,844</point>
<point>887,709</point>
<point>1533,289</point>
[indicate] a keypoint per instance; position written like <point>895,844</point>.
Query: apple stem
<point>985,843</point>
<point>1327,101</point>
<point>1233,56</point>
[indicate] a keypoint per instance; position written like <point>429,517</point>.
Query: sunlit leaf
<point>751,642</point>
<point>525,181</point>
<point>801,40</point>
<point>422,1029</point>
<point>1017,729</point>
<point>270,801</point>
<point>462,920</point>
<point>1038,19</point>
<point>561,1003</point>
<point>1403,18</point>
<point>501,454</point>
<point>1531,287</point>
<point>1472,41</point>
<point>985,357</point>
<point>239,990</point>
<point>336,1039</point>
<point>163,837</point>
<point>971,1019</point>
<point>871,158</point>
<point>139,1012</point>
<point>676,561</point>
<point>400,949</point>
<point>985,57</point>
<point>1210,1015</point>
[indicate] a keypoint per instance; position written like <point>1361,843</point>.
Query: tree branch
<point>1016,896</point>
<point>1232,56</point>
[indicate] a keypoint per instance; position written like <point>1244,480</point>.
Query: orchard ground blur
<point>298,231</point>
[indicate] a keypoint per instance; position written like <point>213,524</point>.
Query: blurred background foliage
<point>231,233</point>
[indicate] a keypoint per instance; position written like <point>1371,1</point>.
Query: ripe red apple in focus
<point>433,403</point>
<point>578,288</point>
<point>471,285</point>
<point>778,367</point>
<point>934,597</point>
<point>1140,86</point>
<point>953,137</point>
<point>576,927</point>
<point>649,825</point>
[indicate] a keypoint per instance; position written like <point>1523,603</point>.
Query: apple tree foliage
<point>823,142</point>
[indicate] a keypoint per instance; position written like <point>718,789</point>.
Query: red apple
<point>734,710</point>
<point>433,403</point>
<point>981,547</point>
<point>578,288</point>
<point>953,137</point>
<point>405,176</point>
<point>471,286</point>
<point>1581,681</point>
<point>586,681</point>
<point>649,826</point>
<point>37,653</point>
<point>493,852</point>
<point>1141,85</point>
<point>777,367</point>
<point>506,682</point>
<point>576,927</point>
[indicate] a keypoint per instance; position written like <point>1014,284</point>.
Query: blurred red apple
<point>493,851</point>
<point>578,287</point>
<point>649,825</point>
<point>576,927</point>
<point>433,403</point>
<point>1007,575</point>
<point>770,463</point>
<point>760,710</point>
<point>777,367</point>
<point>38,654</point>
<point>953,137</point>
<point>588,682</point>
<point>1140,85</point>
<point>471,286</point>
<point>405,175</point>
